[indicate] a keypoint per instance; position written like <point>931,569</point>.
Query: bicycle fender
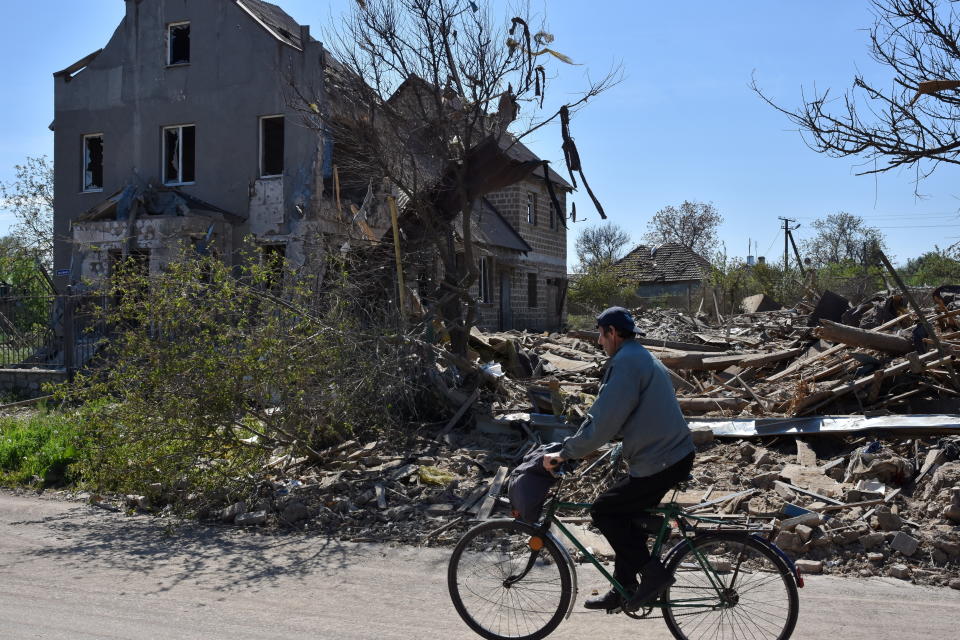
<point>783,556</point>
<point>571,567</point>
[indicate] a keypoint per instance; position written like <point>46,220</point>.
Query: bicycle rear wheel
<point>507,581</point>
<point>753,595</point>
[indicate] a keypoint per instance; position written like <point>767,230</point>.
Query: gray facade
<point>122,188</point>
<point>242,58</point>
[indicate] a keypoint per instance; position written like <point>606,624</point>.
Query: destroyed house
<point>670,269</point>
<point>187,130</point>
<point>180,132</point>
<point>522,252</point>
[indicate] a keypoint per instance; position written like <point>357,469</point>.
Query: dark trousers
<point>616,507</point>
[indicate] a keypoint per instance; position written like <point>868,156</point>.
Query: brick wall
<point>546,264</point>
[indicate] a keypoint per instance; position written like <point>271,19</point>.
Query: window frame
<point>170,26</point>
<point>484,289</point>
<point>163,144</point>
<point>532,208</point>
<point>83,163</point>
<point>532,283</point>
<point>260,168</point>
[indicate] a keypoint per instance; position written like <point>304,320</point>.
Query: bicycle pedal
<point>614,610</point>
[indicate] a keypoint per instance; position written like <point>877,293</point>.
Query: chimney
<point>304,36</point>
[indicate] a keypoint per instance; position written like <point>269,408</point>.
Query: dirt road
<point>71,571</point>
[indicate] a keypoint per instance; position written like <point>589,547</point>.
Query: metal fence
<point>50,331</point>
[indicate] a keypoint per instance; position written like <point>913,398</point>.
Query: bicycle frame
<point>671,511</point>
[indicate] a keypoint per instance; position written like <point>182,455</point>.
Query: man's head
<point>616,326</point>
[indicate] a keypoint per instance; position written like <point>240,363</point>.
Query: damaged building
<point>183,131</point>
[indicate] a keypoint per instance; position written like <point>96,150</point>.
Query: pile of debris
<point>854,503</point>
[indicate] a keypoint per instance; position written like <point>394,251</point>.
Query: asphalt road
<point>72,571</point>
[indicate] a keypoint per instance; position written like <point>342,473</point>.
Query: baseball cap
<point>618,318</point>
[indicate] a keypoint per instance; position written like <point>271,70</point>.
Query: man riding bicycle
<point>637,404</point>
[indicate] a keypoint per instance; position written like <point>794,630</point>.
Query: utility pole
<point>787,239</point>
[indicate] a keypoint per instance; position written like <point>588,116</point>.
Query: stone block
<point>294,512</point>
<point>230,513</point>
<point>788,541</point>
<point>809,519</point>
<point>899,571</point>
<point>251,519</point>
<point>905,544</point>
<point>871,540</point>
<point>804,532</point>
<point>952,512</point>
<point>809,566</point>
<point>887,521</point>
<point>701,436</point>
<point>764,480</point>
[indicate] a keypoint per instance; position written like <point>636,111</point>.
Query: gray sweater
<point>636,403</point>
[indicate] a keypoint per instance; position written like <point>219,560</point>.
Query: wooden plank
<point>651,342</point>
<point>473,498</point>
<point>459,414</point>
<point>836,332</point>
<point>381,496</point>
<point>712,404</point>
<point>745,493</point>
<point>761,360</point>
<point>817,400</point>
<point>780,483</point>
<point>890,496</point>
<point>491,500</point>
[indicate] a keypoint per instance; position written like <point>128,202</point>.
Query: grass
<point>37,449</point>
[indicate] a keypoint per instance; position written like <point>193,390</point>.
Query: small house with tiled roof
<point>670,269</point>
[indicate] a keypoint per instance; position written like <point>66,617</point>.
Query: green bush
<point>215,370</point>
<point>40,447</point>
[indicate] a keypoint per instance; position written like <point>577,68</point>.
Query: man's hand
<point>552,462</point>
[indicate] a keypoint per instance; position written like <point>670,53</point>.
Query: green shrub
<point>42,446</point>
<point>215,370</point>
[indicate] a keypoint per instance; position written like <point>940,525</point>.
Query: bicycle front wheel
<point>729,585</point>
<point>508,581</point>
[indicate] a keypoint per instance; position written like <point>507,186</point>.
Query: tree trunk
<point>835,332</point>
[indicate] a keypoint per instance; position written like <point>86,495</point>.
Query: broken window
<point>179,154</point>
<point>178,43</point>
<point>532,209</point>
<point>93,162</point>
<point>532,290</point>
<point>271,146</point>
<point>484,288</point>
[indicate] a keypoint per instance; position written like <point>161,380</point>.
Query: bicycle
<point>512,580</point>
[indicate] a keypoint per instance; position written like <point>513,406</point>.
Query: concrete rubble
<point>879,503</point>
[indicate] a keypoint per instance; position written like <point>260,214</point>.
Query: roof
<point>492,229</point>
<point>497,231</point>
<point>520,151</point>
<point>154,201</point>
<point>275,20</point>
<point>671,262</point>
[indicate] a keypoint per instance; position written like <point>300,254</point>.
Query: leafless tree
<point>693,224</point>
<point>913,123</point>
<point>842,237</point>
<point>427,96</point>
<point>600,245</point>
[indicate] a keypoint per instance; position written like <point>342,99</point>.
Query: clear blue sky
<point>683,124</point>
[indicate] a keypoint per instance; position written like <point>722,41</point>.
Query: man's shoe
<point>654,580</point>
<point>610,600</point>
